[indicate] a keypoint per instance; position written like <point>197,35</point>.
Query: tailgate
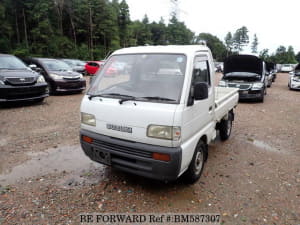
<point>225,99</point>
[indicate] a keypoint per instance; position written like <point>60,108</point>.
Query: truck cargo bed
<point>225,98</point>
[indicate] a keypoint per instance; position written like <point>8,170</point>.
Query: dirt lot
<point>253,178</point>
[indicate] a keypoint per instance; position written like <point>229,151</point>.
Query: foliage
<point>254,44</point>
<point>85,29</point>
<point>216,46</point>
<point>240,39</point>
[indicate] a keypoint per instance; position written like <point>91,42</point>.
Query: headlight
<point>295,79</point>
<point>1,82</point>
<point>88,119</point>
<point>41,79</point>
<point>56,77</point>
<point>80,76</point>
<point>222,83</point>
<point>164,132</point>
<point>257,86</point>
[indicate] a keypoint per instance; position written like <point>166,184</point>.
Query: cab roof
<point>173,49</point>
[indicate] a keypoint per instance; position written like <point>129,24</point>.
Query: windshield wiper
<point>112,94</point>
<point>159,98</point>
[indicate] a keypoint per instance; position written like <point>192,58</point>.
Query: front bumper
<point>295,85</point>
<point>70,85</point>
<point>9,93</point>
<point>250,94</point>
<point>132,157</point>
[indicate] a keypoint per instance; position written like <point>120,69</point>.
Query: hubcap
<point>198,162</point>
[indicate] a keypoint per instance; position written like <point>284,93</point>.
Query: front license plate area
<point>102,156</point>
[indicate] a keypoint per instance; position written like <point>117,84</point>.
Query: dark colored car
<point>76,64</point>
<point>248,73</point>
<point>20,83</point>
<point>92,67</point>
<point>271,68</point>
<point>59,75</point>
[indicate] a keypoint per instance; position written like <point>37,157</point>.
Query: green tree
<point>178,33</point>
<point>240,39</point>
<point>229,43</point>
<point>124,21</point>
<point>216,46</point>
<point>264,54</point>
<point>254,44</point>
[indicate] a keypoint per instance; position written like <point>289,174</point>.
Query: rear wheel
<point>225,127</point>
<point>196,166</point>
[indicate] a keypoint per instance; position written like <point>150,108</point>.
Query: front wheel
<point>196,166</point>
<point>226,127</point>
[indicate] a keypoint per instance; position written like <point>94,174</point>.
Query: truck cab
<point>157,119</point>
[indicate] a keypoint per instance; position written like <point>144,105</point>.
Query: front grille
<point>240,86</point>
<point>20,80</point>
<point>71,78</point>
<point>123,149</point>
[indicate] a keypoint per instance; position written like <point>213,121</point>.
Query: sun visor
<point>243,63</point>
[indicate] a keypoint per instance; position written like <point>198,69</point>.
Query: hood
<point>65,73</point>
<point>135,115</point>
<point>22,73</point>
<point>243,63</point>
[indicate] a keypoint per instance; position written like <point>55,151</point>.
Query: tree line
<point>90,29</point>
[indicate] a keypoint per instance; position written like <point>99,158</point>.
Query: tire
<point>262,97</point>
<point>225,127</point>
<point>196,166</point>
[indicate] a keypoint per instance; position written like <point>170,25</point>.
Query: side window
<point>201,71</point>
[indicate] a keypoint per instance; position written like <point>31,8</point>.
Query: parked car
<point>77,65</point>
<point>59,75</point>
<point>248,73</point>
<point>92,67</point>
<point>286,68</point>
<point>20,83</point>
<point>294,79</point>
<point>271,68</point>
<point>158,120</point>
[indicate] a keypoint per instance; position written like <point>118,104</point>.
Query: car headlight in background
<point>222,83</point>
<point>41,79</point>
<point>164,132</point>
<point>56,77</point>
<point>88,119</point>
<point>257,86</point>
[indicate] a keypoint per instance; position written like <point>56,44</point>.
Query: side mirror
<point>200,91</point>
<point>35,68</point>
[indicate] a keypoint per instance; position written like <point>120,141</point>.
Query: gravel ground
<point>253,178</point>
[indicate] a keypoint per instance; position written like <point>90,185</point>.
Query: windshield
<point>11,63</point>
<point>244,76</point>
<point>56,65</point>
<point>153,77</point>
<point>74,62</point>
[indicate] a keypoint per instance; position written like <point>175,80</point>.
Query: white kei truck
<point>153,110</point>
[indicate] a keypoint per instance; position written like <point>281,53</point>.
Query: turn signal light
<point>87,139</point>
<point>161,156</point>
